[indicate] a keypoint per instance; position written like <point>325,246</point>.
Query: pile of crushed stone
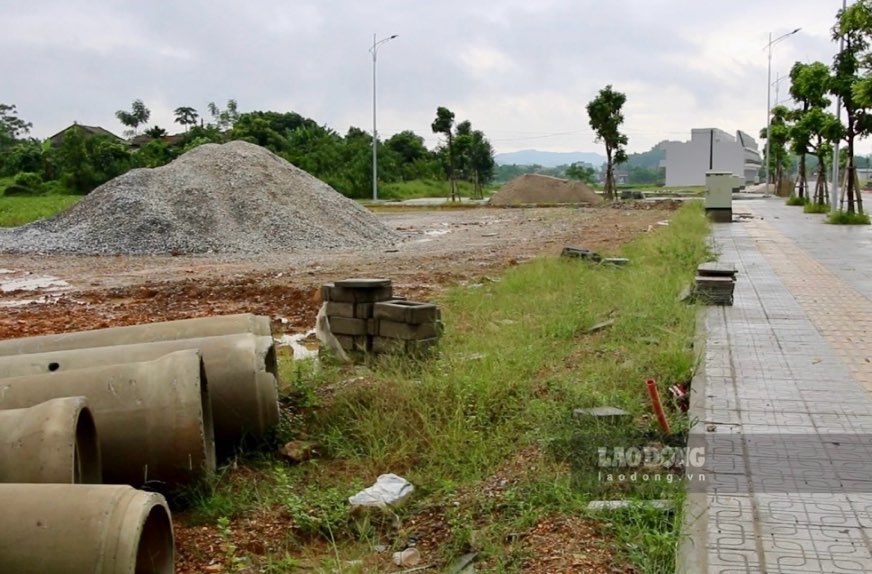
<point>534,189</point>
<point>235,198</point>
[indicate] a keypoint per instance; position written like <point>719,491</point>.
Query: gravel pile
<point>535,189</point>
<point>233,198</point>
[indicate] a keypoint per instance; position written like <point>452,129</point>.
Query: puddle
<point>304,345</point>
<point>38,283</point>
<point>18,303</point>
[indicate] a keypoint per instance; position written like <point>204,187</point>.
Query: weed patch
<point>847,218</point>
<point>485,429</point>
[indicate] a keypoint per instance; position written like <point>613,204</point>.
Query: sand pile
<point>231,198</point>
<point>532,189</point>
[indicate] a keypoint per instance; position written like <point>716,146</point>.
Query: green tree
<point>779,132</point>
<point>481,162</point>
<point>809,85</point>
<point>606,117</point>
<point>581,171</point>
<point>156,132</point>
<point>11,126</point>
<point>186,117</point>
<point>444,124</point>
<point>137,116</point>
<point>853,27</point>
<point>226,118</point>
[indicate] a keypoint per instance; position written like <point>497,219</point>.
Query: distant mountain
<point>548,158</point>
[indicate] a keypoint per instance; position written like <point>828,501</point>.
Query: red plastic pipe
<point>658,407</point>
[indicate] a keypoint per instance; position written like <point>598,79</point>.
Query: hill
<point>548,158</point>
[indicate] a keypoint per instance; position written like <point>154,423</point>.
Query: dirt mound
<point>231,198</point>
<point>532,189</point>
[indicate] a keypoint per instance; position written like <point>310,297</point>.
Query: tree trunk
<point>610,179</point>
<point>820,192</point>
<point>803,184</point>
<point>451,181</point>
<point>849,168</point>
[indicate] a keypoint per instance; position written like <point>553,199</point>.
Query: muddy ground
<point>40,295</point>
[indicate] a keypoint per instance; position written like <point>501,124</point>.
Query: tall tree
<point>11,126</point>
<point>853,27</point>
<point>444,124</point>
<point>186,117</point>
<point>809,85</point>
<point>481,162</point>
<point>137,116</point>
<point>226,118</point>
<point>606,118</point>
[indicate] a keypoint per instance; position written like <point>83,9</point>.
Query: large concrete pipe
<point>145,333</point>
<point>240,369</point>
<point>154,419</point>
<point>84,529</point>
<point>54,441</point>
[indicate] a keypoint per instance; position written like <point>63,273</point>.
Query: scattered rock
<point>299,450</point>
<point>624,504</point>
<point>601,326</point>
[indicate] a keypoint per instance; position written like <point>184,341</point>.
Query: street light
<point>769,99</point>
<point>374,52</point>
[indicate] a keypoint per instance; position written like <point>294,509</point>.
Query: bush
<point>816,208</point>
<point>796,200</point>
<point>25,183</point>
<point>846,218</point>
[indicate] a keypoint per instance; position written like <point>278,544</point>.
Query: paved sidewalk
<point>784,402</point>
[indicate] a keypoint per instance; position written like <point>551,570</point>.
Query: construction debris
<point>365,317</point>
<point>610,414</point>
<point>715,283</point>
<point>581,253</point>
<point>232,198</point>
<point>598,505</point>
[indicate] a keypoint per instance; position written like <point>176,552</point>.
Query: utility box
<point>738,183</point>
<point>719,196</point>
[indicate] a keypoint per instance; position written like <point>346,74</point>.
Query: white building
<point>711,149</point>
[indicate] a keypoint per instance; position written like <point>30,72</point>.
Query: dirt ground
<point>40,295</point>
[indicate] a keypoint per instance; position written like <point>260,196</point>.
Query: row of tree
<point>81,161</point>
<point>808,129</point>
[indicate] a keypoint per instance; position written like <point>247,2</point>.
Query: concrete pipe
<point>84,529</point>
<point>154,419</point>
<point>145,333</point>
<point>240,369</point>
<point>54,441</point>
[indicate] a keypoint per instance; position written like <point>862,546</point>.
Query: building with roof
<point>711,149</point>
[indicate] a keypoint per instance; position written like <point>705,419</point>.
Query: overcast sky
<point>522,71</point>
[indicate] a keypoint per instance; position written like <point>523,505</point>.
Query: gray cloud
<point>520,71</point>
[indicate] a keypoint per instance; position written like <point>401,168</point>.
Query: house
<point>58,138</point>
<point>711,149</point>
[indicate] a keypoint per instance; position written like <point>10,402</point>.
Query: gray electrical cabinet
<point>719,187</point>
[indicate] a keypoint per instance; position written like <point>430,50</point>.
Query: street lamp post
<point>769,99</point>
<point>374,52</point>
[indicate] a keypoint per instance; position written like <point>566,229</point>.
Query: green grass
<point>796,201</point>
<point>15,211</point>
<point>422,188</point>
<point>846,218</point>
<point>816,208</point>
<point>515,361</point>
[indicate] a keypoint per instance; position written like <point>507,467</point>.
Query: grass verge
<point>816,208</point>
<point>15,211</point>
<point>485,430</point>
<point>795,200</point>
<point>424,188</point>
<point>846,218</point>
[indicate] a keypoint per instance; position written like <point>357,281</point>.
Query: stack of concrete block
<point>365,317</point>
<point>715,283</point>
